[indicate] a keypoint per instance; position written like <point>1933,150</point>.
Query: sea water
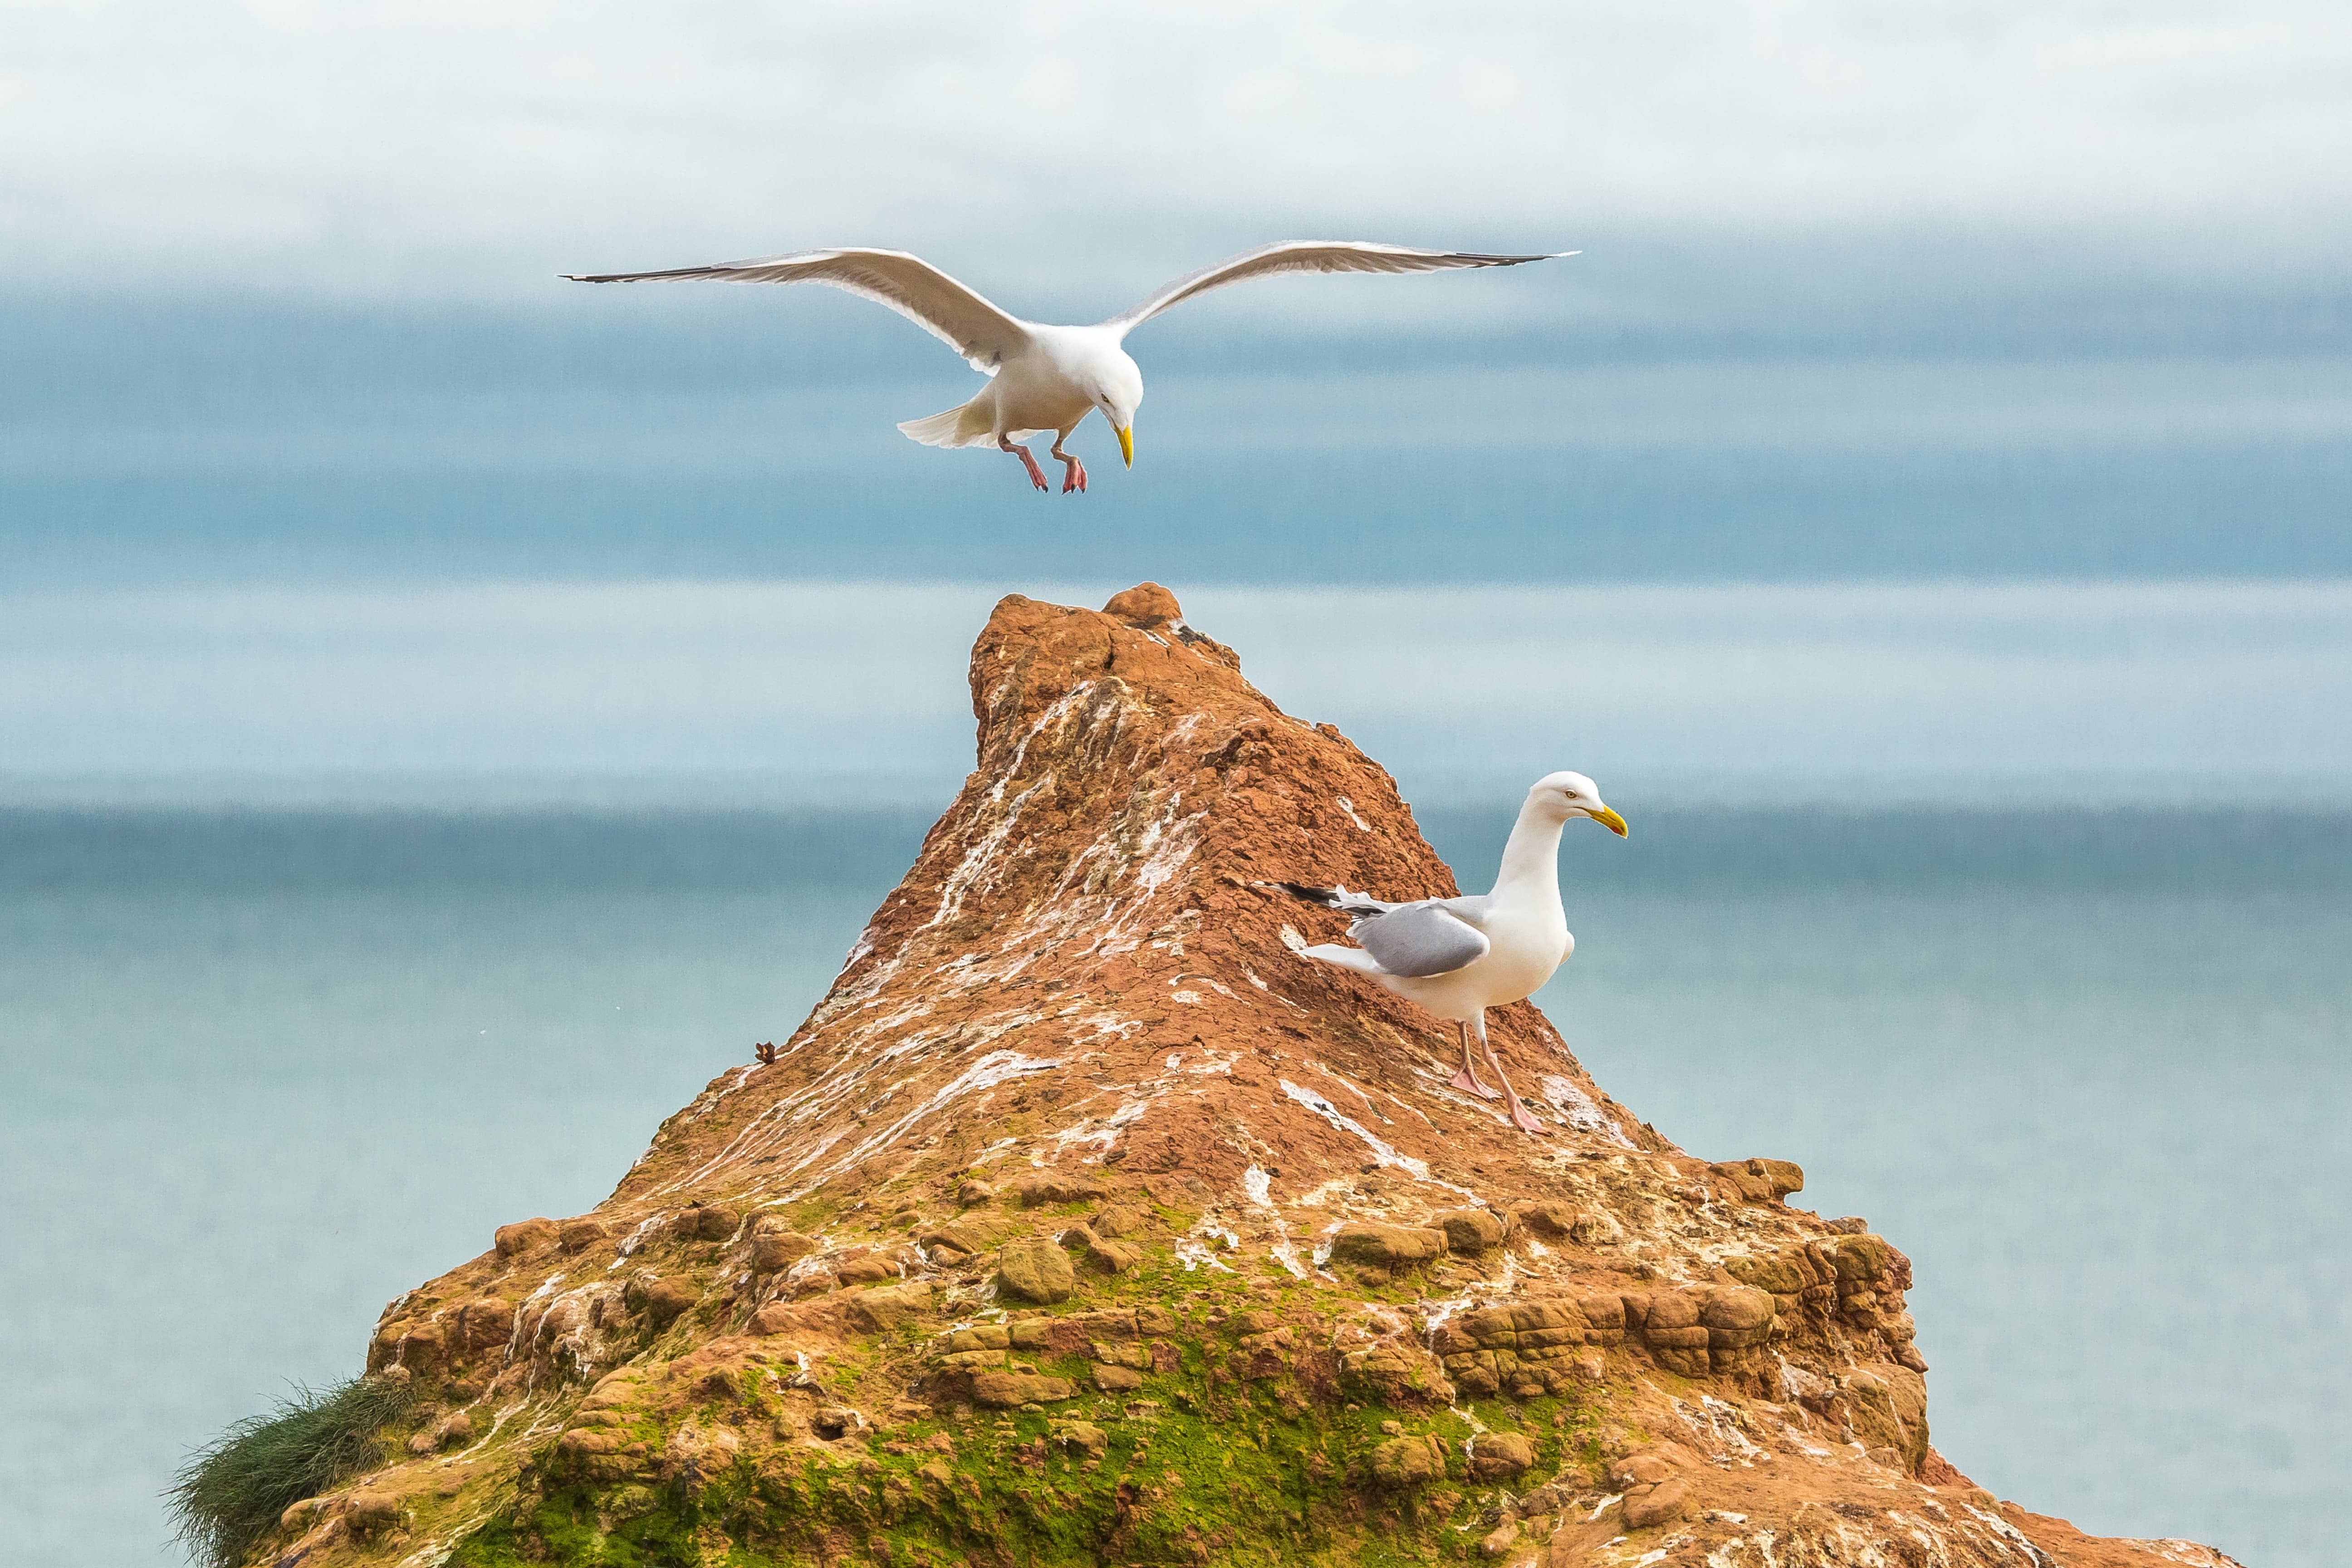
<point>260,1071</point>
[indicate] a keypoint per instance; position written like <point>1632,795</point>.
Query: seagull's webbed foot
<point>1074,472</point>
<point>1467,1079</point>
<point>1467,1082</point>
<point>1521,1116</point>
<point>1036,474</point>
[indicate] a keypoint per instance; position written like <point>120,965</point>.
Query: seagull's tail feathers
<point>1336,898</point>
<point>1354,958</point>
<point>968,425</point>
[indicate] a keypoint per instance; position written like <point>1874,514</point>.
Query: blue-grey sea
<point>260,1071</point>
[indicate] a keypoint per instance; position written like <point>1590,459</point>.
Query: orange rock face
<point>1083,971</point>
<point>1085,1220</point>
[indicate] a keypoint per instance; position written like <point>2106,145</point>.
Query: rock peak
<point>1087,959</point>
<point>1083,1220</point>
<point>1145,605</point>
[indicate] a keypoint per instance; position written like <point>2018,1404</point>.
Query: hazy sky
<point>1083,151</point>
<point>1866,292</point>
<point>2224,695</point>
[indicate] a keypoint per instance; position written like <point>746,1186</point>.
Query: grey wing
<point>958,316</point>
<point>1310,256</point>
<point>1420,940</point>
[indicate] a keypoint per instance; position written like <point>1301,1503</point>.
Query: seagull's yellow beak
<point>1610,820</point>
<point>1127,445</point>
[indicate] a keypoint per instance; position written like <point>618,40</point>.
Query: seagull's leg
<point>1036,474</point>
<point>1466,1080</point>
<point>1074,472</point>
<point>1521,1116</point>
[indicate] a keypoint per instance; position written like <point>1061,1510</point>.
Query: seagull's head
<point>1116,385</point>
<point>1565,796</point>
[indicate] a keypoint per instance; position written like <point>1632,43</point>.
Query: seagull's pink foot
<point>1036,474</point>
<point>1074,475</point>
<point>1525,1121</point>
<point>1467,1082</point>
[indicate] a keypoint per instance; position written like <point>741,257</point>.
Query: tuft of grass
<point>231,1492</point>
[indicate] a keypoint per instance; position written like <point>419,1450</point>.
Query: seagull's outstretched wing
<point>918,291</point>
<point>1310,256</point>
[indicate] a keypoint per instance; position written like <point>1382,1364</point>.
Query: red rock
<point>1639,1469</point>
<point>1758,1181</point>
<point>524,1235</point>
<point>1470,1230</point>
<point>1085,990</point>
<point>1034,1187</point>
<point>1113,1256</point>
<point>662,1300</point>
<point>575,1234</point>
<point>775,1318</point>
<point>1117,1379</point>
<point>1658,1504</point>
<point>1144,607</point>
<point>1008,1390</point>
<point>1388,1245</point>
<point>368,1512</point>
<point>1036,1270</point>
<point>1605,1313</point>
<point>487,1322</point>
<point>1405,1462</point>
<point>772,1250</point>
<point>1736,1307</point>
<point>1551,1220</point>
<point>302,1515</point>
<point>1498,1456</point>
<point>886,1307</point>
<point>1668,1309</point>
<point>867,1270</point>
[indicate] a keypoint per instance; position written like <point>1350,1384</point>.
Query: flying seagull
<point>1044,378</point>
<point>1458,957</point>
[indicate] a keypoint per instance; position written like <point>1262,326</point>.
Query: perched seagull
<point>1044,378</point>
<point>1458,957</point>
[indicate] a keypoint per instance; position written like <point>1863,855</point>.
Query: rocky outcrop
<point>1082,1221</point>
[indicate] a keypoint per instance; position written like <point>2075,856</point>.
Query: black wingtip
<point>1327,897</point>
